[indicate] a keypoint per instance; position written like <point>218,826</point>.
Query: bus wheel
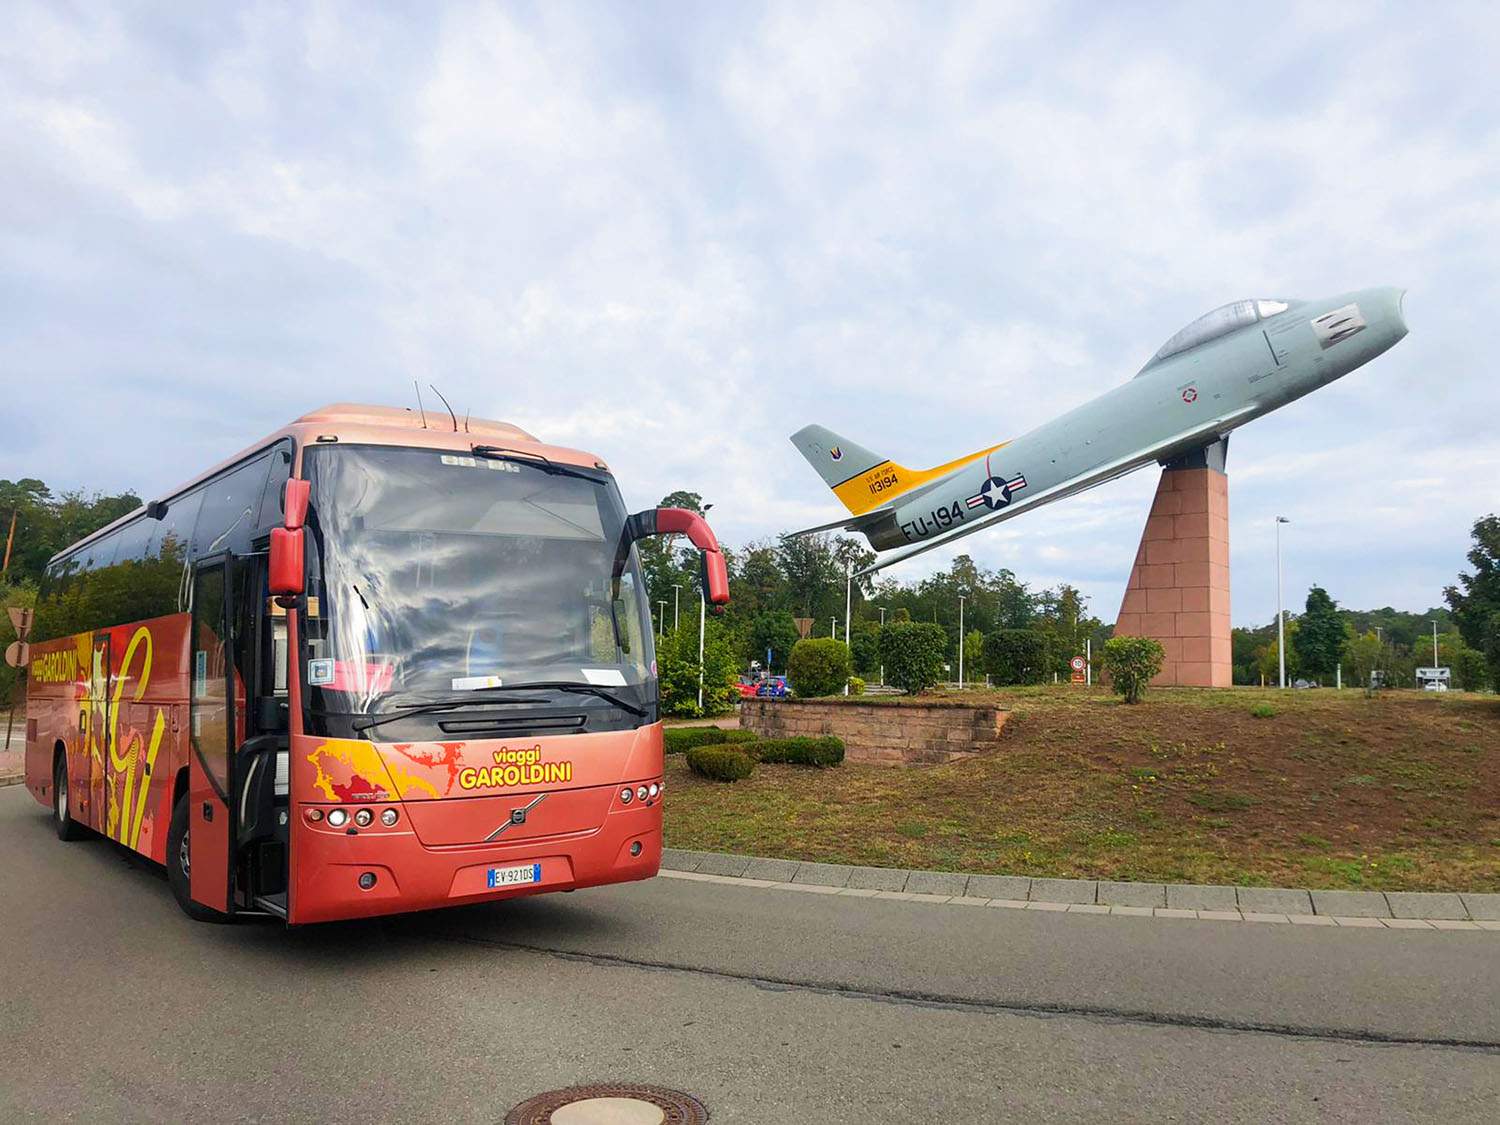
<point>62,811</point>
<point>179,867</point>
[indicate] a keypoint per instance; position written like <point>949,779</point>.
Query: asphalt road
<point>771,1006</point>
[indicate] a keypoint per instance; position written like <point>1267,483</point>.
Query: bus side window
<point>167,554</point>
<point>230,506</point>
<point>270,498</point>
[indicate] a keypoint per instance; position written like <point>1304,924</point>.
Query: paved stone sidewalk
<point>1389,909</point>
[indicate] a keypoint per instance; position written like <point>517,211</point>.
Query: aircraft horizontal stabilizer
<point>860,479</point>
<point>848,523</point>
<point>1176,444</point>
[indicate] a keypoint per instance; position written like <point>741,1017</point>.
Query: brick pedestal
<point>1179,586</point>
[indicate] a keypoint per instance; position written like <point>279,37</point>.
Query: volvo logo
<point>517,816</point>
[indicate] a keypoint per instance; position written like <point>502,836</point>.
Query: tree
<point>1476,598</point>
<point>776,633</point>
<point>677,671</point>
<point>1320,634</point>
<point>864,646</point>
<point>913,654</point>
<point>1016,656</point>
<point>973,653</point>
<point>1492,650</point>
<point>819,666</point>
<point>1131,663</point>
<point>1361,656</point>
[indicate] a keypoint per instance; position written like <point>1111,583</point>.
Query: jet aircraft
<point>1230,365</point>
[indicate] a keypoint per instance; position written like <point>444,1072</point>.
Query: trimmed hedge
<point>679,740</point>
<point>818,666</point>
<point>720,763</point>
<point>800,751</point>
<point>913,654</point>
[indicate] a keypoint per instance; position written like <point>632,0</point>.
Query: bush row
<point>679,740</point>
<point>735,759</point>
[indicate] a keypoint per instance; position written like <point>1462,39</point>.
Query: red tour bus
<point>371,664</point>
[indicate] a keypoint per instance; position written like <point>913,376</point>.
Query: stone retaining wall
<point>904,734</point>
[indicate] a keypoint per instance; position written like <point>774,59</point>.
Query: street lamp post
<point>676,606</point>
<point>1434,643</point>
<point>702,618</point>
<point>661,618</point>
<point>882,663</point>
<point>1280,616</point>
<point>848,599</point>
<point>960,642</point>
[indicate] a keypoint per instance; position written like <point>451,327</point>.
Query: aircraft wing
<point>1176,443</point>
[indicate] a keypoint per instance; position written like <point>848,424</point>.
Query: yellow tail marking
<point>886,480</point>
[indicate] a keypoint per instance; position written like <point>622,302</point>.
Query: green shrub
<point>677,670</point>
<point>1130,663</point>
<point>913,654</point>
<point>856,686</point>
<point>818,666</point>
<point>1263,711</point>
<point>720,763</point>
<point>679,740</point>
<point>800,751</point>
<point>1016,656</point>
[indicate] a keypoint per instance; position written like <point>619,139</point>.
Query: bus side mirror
<point>286,577</point>
<point>680,521</point>
<point>294,498</point>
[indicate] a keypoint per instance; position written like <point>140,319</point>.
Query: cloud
<point>672,236</point>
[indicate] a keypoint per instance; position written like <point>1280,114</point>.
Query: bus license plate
<point>515,876</point>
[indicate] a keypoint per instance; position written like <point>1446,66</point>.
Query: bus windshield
<point>438,577</point>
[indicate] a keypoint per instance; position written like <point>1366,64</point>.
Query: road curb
<point>12,779</point>
<point>1445,910</point>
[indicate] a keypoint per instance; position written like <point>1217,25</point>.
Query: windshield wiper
<point>575,688</point>
<point>535,460</point>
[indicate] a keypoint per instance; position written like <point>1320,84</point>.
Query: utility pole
<point>1280,616</point>
<point>960,642</point>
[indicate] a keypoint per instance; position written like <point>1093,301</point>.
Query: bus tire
<point>62,805</point>
<point>178,868</point>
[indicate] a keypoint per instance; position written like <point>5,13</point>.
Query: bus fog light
<point>389,817</point>
<point>314,815</point>
<point>635,848</point>
<point>364,818</point>
<point>655,789</point>
<point>366,880</point>
<point>642,793</point>
<point>337,818</point>
<point>626,795</point>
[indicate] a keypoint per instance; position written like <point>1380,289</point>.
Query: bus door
<point>212,727</point>
<point>96,737</point>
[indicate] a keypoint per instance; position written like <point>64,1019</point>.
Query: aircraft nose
<point>1391,300</point>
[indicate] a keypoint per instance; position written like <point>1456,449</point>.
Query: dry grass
<point>1317,789</point>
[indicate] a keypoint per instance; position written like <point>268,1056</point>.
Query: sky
<point>673,234</point>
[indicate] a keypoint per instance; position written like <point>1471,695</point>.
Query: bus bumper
<point>336,874</point>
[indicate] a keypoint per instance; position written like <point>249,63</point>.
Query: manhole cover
<point>609,1103</point>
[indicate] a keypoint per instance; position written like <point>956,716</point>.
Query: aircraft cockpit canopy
<point>1223,320</point>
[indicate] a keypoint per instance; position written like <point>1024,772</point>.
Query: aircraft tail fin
<point>836,458</point>
<point>863,480</point>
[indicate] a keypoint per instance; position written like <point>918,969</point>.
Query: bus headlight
<point>642,793</point>
<point>389,817</point>
<point>337,818</point>
<point>364,818</point>
<point>654,789</point>
<point>626,795</point>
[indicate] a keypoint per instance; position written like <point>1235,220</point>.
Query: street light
<point>1434,643</point>
<point>1280,616</point>
<point>960,642</point>
<point>676,606</point>
<point>661,618</point>
<point>882,663</point>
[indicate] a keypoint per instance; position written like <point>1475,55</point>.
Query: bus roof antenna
<point>419,403</point>
<point>450,409</point>
<point>466,418</point>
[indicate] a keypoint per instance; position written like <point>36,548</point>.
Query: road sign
<point>18,654</point>
<point>1076,664</point>
<point>20,620</point>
